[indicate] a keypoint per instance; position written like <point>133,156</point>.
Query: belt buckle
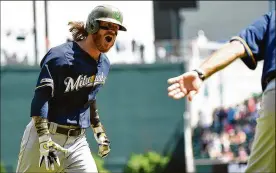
<point>68,133</point>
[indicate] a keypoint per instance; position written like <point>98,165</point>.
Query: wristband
<point>98,129</point>
<point>200,73</point>
<point>41,125</point>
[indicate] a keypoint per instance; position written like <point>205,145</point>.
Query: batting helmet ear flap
<point>92,26</point>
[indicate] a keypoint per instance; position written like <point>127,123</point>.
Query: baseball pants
<point>262,157</point>
<point>78,160</point>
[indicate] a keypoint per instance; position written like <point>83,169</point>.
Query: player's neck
<point>92,51</point>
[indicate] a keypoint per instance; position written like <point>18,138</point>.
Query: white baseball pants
<point>78,160</point>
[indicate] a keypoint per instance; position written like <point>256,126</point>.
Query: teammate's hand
<point>104,144</point>
<point>48,152</point>
<point>187,84</point>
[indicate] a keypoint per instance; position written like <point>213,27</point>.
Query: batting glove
<point>104,144</point>
<point>102,140</point>
<point>48,151</point>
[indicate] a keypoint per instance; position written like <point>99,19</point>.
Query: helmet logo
<point>116,15</point>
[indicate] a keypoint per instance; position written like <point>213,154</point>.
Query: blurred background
<point>149,132</point>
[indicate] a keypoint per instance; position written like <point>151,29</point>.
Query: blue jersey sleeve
<point>43,92</point>
<point>39,105</point>
<point>100,78</point>
<point>253,38</point>
<point>45,86</point>
<point>45,78</point>
<point>92,95</point>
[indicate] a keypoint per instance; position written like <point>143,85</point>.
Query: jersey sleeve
<point>45,79</point>
<point>92,95</point>
<point>39,105</point>
<point>101,78</point>
<point>252,39</point>
<point>45,85</point>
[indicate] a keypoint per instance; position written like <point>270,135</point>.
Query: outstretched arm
<point>222,58</point>
<point>247,46</point>
<point>189,83</point>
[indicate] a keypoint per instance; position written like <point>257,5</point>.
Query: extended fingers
<point>173,87</point>
<point>177,91</point>
<point>174,92</point>
<point>173,80</point>
<point>178,95</point>
<point>41,159</point>
<point>60,148</point>
<point>51,162</point>
<point>57,160</point>
<point>46,163</point>
<point>64,150</point>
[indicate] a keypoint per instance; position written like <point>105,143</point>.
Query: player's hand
<point>187,84</point>
<point>104,144</point>
<point>48,152</point>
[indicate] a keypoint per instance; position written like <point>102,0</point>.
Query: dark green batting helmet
<point>105,13</point>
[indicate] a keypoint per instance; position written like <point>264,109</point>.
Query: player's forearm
<point>39,110</point>
<point>41,125</point>
<point>96,124</point>
<point>222,58</point>
<point>94,115</point>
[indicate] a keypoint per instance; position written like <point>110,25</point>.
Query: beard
<point>101,44</point>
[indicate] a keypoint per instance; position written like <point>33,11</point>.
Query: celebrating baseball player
<point>253,44</point>
<point>64,102</point>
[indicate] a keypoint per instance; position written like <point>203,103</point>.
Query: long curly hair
<point>78,30</point>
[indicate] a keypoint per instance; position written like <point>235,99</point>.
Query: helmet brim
<point>121,27</point>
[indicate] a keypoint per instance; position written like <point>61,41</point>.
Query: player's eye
<point>109,26</point>
<point>104,27</point>
<point>114,28</point>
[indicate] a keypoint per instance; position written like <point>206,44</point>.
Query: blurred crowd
<point>137,49</point>
<point>14,51</point>
<point>19,49</point>
<point>230,135</point>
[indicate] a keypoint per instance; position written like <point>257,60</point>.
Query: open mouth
<point>108,38</point>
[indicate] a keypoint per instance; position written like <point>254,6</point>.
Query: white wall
<point>221,19</point>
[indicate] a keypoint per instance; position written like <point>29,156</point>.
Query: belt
<point>69,132</point>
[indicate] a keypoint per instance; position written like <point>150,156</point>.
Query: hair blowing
<point>78,30</point>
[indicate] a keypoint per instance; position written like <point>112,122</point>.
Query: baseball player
<point>253,44</point>
<point>64,102</point>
